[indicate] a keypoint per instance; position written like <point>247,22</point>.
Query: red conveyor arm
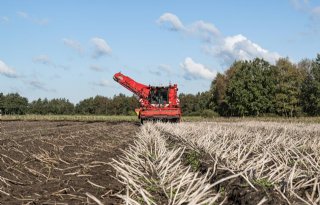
<point>137,88</point>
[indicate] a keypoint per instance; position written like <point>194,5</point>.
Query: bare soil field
<point>43,162</point>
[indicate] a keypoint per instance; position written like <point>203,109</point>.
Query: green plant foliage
<point>248,91</point>
<point>207,113</point>
<point>289,79</point>
<point>310,93</point>
<point>257,88</point>
<point>13,104</point>
<point>264,183</point>
<point>193,105</point>
<point>193,158</point>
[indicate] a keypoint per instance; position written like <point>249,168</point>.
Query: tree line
<point>246,88</point>
<point>257,88</point>
<point>14,104</point>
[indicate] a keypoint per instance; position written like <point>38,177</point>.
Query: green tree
<point>119,105</point>
<point>133,104</point>
<point>218,90</point>
<point>188,104</point>
<point>1,103</point>
<point>288,90</point>
<point>59,106</point>
<point>85,106</point>
<point>36,107</point>
<point>13,103</point>
<point>194,105</point>
<point>310,95</point>
<point>100,105</point>
<point>249,88</point>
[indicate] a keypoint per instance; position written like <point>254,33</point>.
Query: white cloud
<point>161,70</point>
<point>101,48</point>
<point>103,83</point>
<point>43,59</point>
<point>315,12</point>
<point>300,4</point>
<point>199,28</point>
<point>196,70</point>
<point>238,47</point>
<point>96,68</point>
<point>73,44</point>
<point>226,49</point>
<point>304,6</point>
<point>24,15</point>
<point>312,11</point>
<point>166,69</point>
<point>170,21</point>
<point>7,71</point>
<point>41,21</point>
<point>37,85</point>
<point>204,29</point>
<point>40,86</point>
<point>4,19</point>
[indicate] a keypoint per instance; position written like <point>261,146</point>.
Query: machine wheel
<point>175,120</point>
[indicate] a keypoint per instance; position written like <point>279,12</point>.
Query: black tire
<point>175,120</point>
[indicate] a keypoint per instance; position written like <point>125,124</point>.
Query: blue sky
<point>71,49</point>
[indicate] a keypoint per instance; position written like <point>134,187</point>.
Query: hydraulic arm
<point>137,88</point>
<point>141,90</point>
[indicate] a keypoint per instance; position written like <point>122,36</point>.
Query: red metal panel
<point>161,113</point>
<point>146,110</point>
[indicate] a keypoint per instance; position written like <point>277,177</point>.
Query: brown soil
<point>44,162</point>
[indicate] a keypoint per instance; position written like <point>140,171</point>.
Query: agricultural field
<point>78,118</point>
<point>225,162</point>
<point>63,162</point>
<point>222,163</point>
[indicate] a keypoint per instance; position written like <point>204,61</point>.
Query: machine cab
<point>159,96</point>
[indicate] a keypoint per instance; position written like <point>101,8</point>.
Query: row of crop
<point>155,174</point>
<point>283,157</point>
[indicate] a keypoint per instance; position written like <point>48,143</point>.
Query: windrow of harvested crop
<point>278,160</point>
<point>154,174</point>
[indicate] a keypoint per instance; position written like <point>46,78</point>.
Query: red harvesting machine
<point>156,102</point>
